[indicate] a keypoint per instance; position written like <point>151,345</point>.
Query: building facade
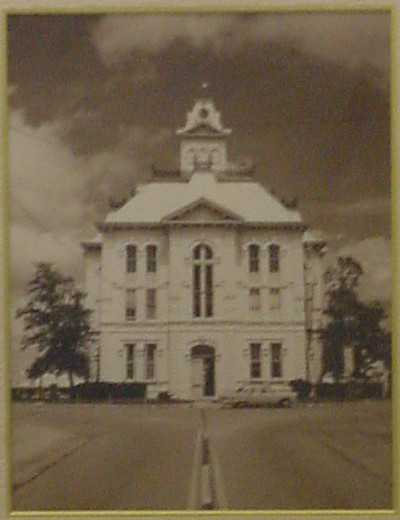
<point>204,280</point>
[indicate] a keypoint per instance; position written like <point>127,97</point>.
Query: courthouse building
<point>204,280</point>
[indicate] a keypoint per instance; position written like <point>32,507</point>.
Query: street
<point>152,457</point>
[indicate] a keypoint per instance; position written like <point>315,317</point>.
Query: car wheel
<point>285,403</point>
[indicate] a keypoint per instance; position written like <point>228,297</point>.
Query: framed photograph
<point>199,207</point>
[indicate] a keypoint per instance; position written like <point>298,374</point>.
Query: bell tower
<point>203,140</point>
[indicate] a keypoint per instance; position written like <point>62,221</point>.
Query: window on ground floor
<point>130,360</point>
<point>276,360</point>
<point>150,359</point>
<point>255,360</point>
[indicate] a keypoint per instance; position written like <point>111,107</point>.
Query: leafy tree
<point>351,322</point>
<point>57,324</point>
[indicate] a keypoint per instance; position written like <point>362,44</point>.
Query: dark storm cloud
<point>306,96</point>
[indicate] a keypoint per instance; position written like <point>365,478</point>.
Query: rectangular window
<point>254,299</point>
<point>150,353</point>
<point>276,360</point>
<point>151,259</point>
<point>130,259</point>
<point>130,305</point>
<point>130,360</point>
<point>151,304</point>
<point>274,298</point>
<point>273,258</point>
<point>254,258</point>
<point>255,360</point>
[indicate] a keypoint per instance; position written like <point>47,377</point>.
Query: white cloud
<point>355,39</point>
<point>363,208</point>
<point>56,197</point>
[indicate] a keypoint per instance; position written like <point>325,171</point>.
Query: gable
<point>202,210</point>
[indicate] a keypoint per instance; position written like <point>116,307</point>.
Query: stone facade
<point>201,284</point>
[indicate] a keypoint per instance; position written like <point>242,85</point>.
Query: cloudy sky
<point>95,100</point>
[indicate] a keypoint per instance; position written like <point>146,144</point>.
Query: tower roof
<point>203,119</point>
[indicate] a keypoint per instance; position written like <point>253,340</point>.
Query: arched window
<point>273,258</point>
<point>254,258</point>
<point>202,281</point>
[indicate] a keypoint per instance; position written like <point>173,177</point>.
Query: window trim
<point>130,361</point>
<point>254,258</point>
<point>275,302</point>
<point>276,362</point>
<point>150,347</point>
<point>202,282</point>
<point>151,304</point>
<point>255,361</point>
<point>254,299</point>
<point>133,292</point>
<point>274,256</point>
<point>130,262</point>
<point>151,261</point>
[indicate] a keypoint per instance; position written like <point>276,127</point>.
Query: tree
<point>57,324</point>
<point>351,322</point>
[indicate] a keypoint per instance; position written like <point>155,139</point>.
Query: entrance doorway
<point>203,371</point>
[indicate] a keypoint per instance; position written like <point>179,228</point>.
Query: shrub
<point>302,388</point>
<point>164,397</point>
<point>101,391</point>
<point>331,391</point>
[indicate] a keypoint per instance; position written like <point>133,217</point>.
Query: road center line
<point>194,481</point>
<point>220,497</point>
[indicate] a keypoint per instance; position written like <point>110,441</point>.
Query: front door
<point>197,378</point>
<point>209,376</point>
<point>203,371</point>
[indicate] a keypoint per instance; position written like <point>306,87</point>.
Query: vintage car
<point>260,395</point>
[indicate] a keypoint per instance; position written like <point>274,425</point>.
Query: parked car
<point>260,395</point>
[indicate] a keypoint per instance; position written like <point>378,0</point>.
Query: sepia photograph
<point>200,261</point>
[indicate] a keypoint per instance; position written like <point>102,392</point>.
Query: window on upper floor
<point>150,361</point>
<point>151,259</point>
<point>276,360</point>
<point>130,304</point>
<point>255,360</point>
<point>254,299</point>
<point>274,298</point>
<point>254,258</point>
<point>131,258</point>
<point>202,281</point>
<point>273,258</point>
<point>130,360</point>
<point>151,304</point>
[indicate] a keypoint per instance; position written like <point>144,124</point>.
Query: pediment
<point>203,211</point>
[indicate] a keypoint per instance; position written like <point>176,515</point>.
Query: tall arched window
<point>202,281</point>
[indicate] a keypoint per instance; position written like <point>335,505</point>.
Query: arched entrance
<point>203,371</point>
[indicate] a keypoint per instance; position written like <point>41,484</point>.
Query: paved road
<point>125,457</point>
